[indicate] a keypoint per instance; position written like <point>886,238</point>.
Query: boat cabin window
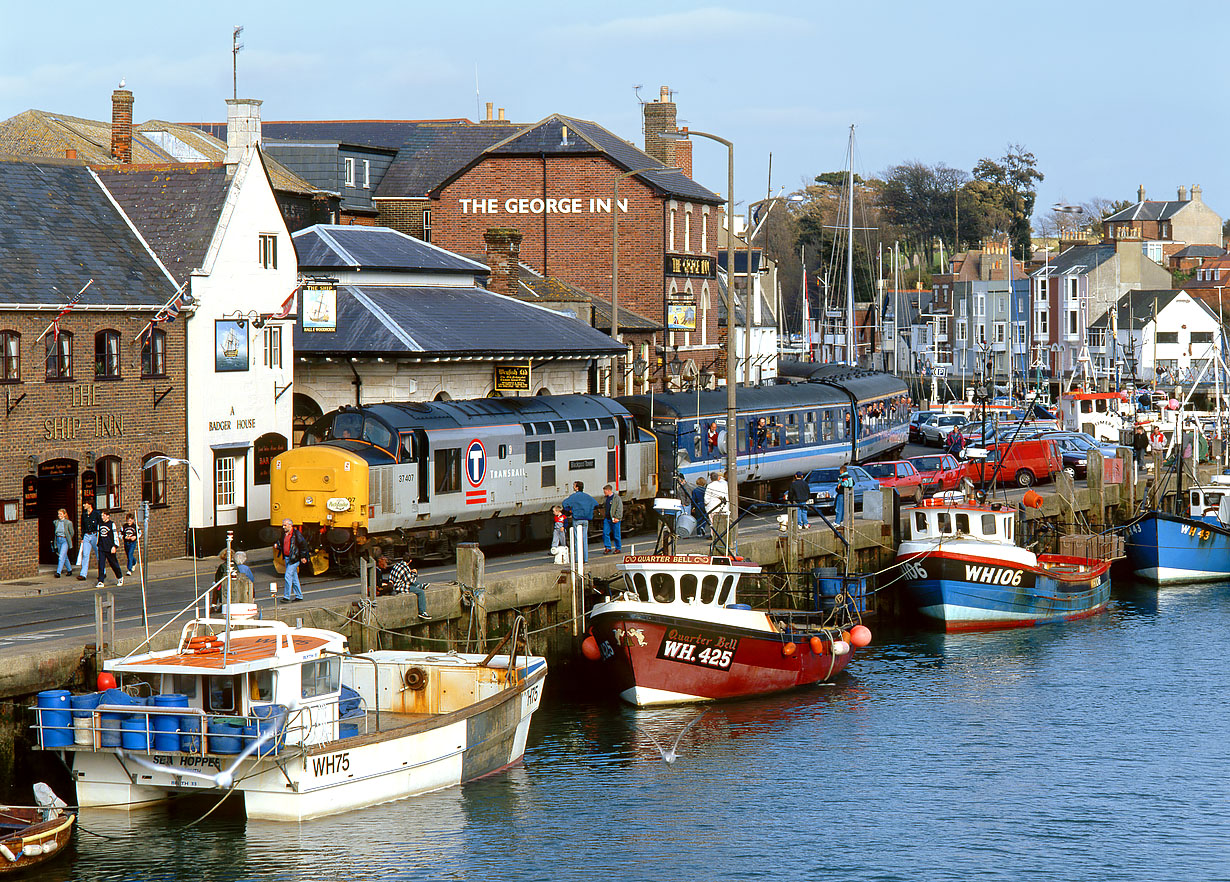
<point>988,525</point>
<point>261,684</point>
<point>663,587</point>
<point>321,677</point>
<point>963,523</point>
<point>220,694</point>
<point>944,522</point>
<point>708,589</point>
<point>687,588</point>
<point>179,684</point>
<point>639,586</point>
<point>727,584</point>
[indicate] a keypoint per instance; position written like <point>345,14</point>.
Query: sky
<point>1108,96</point>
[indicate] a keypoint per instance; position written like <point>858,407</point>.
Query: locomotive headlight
<point>338,504</point>
<point>309,500</point>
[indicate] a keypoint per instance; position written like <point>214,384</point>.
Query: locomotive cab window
<point>407,448</point>
<point>448,470</point>
<point>379,435</point>
<point>347,425</point>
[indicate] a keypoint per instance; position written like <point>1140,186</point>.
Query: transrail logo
<point>992,575</point>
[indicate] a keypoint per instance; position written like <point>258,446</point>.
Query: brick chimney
<point>1182,193</point>
<point>504,258</point>
<point>243,128</point>
<point>683,156</point>
<point>121,124</point>
<point>660,117</point>
<point>1140,194</point>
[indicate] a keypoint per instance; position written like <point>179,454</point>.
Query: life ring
<point>202,641</point>
<point>416,679</point>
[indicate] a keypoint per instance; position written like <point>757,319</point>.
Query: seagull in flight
<point>672,753</point>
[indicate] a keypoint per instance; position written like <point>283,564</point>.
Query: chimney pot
<point>501,114</point>
<point>1182,193</point>
<point>1140,194</point>
<point>1196,192</point>
<point>121,125</point>
<point>490,105</point>
<point>70,153</point>
<point>664,94</point>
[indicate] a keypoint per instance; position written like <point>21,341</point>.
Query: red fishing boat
<point>673,631</point>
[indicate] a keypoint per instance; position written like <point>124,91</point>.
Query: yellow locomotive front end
<point>323,490</point>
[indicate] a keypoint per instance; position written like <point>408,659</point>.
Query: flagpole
<point>64,311</point>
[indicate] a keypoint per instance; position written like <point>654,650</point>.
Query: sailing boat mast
<point>851,354</point>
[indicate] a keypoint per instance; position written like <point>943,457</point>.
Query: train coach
<point>424,477</point>
<point>830,414</point>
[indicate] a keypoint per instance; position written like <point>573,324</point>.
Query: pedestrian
<point>405,580</point>
<point>798,495</point>
<point>131,534</point>
<point>844,482</point>
<point>557,528</point>
<point>717,505</point>
<point>711,440</point>
<point>1140,444</point>
<point>89,540</point>
<point>65,538</point>
<point>582,505</point>
<point>108,542</point>
<point>612,514</point>
<point>698,507</point>
<point>295,551</point>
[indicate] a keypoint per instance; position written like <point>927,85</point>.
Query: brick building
<point>87,406</point>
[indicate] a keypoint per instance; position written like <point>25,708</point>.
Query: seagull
<point>223,779</point>
<point>669,756</point>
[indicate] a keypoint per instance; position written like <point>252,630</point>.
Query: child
<point>557,533</point>
<point>130,533</point>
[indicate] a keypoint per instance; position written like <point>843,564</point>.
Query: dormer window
<point>349,167</point>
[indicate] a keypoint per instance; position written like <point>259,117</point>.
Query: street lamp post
<point>732,434</point>
<point>616,374</point>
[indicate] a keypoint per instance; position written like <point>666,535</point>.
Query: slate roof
<point>1147,211</point>
<point>1077,259</point>
<point>41,133</point>
<point>1198,251</point>
<point>176,207</point>
<point>399,321</point>
<point>435,152</point>
<point>384,134</point>
<point>60,230</point>
<point>536,285</point>
<point>1136,308</point>
<point>337,246</point>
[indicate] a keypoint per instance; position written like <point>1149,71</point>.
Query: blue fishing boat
<point>1188,540</point>
<point>963,569</point>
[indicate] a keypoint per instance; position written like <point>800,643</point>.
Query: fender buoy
<point>589,648</point>
<point>106,680</point>
<point>860,636</point>
<point>788,649</point>
<point>817,645</point>
<point>1033,499</point>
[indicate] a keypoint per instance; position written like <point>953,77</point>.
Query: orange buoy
<point>788,649</point>
<point>589,648</point>
<point>860,636</point>
<point>106,680</point>
<point>1033,499</point>
<point>817,646</point>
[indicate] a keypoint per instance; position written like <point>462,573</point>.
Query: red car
<point>899,474</point>
<point>941,471</point>
<point>1025,462</point>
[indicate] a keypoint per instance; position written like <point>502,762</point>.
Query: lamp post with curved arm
<point>732,434</point>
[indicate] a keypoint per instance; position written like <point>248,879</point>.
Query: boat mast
<point>851,354</point>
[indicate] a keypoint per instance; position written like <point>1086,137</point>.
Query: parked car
<point>935,430</point>
<point>823,484</point>
<point>1074,450</point>
<point>917,418</point>
<point>899,474</point>
<point>1024,462</point>
<point>940,471</point>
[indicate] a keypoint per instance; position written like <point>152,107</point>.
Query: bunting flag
<point>170,310</point>
<point>288,305</point>
<point>54,327</point>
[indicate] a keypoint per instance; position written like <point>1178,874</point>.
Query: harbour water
<point>1095,750</point>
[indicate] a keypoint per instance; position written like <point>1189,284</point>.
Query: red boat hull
<point>659,659</point>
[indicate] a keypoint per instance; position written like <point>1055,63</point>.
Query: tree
<point>922,200</point>
<point>1013,178</point>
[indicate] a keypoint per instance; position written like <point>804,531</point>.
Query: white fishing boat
<point>290,721</point>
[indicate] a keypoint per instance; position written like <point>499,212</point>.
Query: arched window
<point>704,231</point>
<point>670,235</point>
<point>154,353</point>
<point>10,357</point>
<point>687,229</point>
<point>107,492</point>
<point>59,356</point>
<point>442,396</point>
<point>107,355</point>
<point>154,481</point>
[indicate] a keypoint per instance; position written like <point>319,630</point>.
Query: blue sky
<point>1107,95</point>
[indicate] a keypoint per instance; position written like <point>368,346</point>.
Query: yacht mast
<point>851,353</point>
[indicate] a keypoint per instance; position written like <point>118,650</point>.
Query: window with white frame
<point>273,346</point>
<point>224,481</point>
<point>941,326</point>
<point>961,308</point>
<point>980,305</point>
<point>1001,334</point>
<point>704,231</point>
<point>1020,334</point>
<point>426,224</point>
<point>670,231</point>
<point>1073,289</point>
<point>367,174</point>
<point>1073,328</point>
<point>1153,251</point>
<point>962,336</point>
<point>1043,322</point>
<point>348,164</point>
<point>267,250</point>
<point>1040,290</point>
<point>687,230</point>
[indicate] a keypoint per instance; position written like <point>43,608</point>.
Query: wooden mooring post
<point>472,574</point>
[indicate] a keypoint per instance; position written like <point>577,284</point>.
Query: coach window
<point>828,425</point>
<point>742,437</point>
<point>792,429</point>
<point>448,470</point>
<point>809,428</point>
<point>407,448</point>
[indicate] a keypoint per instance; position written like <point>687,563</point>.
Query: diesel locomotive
<point>427,476</point>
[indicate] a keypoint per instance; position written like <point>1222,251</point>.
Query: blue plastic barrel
<point>347,730</point>
<point>190,733</point>
<point>110,723</point>
<point>133,733</point>
<point>223,737</point>
<point>166,726</point>
<point>83,705</point>
<point>54,718</point>
<point>270,718</point>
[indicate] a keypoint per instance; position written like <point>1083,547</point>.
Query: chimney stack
<point>1140,194</point>
<point>1182,193</point>
<point>70,153</point>
<point>243,128</point>
<point>490,105</point>
<point>504,258</point>
<point>683,156</point>
<point>502,114</point>
<point>1196,192</point>
<point>660,117</point>
<point>121,124</point>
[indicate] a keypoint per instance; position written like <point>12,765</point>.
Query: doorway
<point>57,488</point>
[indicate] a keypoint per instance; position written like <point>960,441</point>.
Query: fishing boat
<point>32,835</point>
<point>963,569</point>
<point>674,631</point>
<point>289,720</point>
<point>1187,539</point>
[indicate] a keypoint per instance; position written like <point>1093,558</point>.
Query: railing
<point>519,631</point>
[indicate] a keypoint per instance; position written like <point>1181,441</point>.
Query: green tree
<point>1014,177</point>
<point>922,200</point>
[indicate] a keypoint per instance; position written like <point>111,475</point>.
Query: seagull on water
<point>671,754</point>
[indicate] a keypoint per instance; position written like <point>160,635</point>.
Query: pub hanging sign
<point>698,266</point>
